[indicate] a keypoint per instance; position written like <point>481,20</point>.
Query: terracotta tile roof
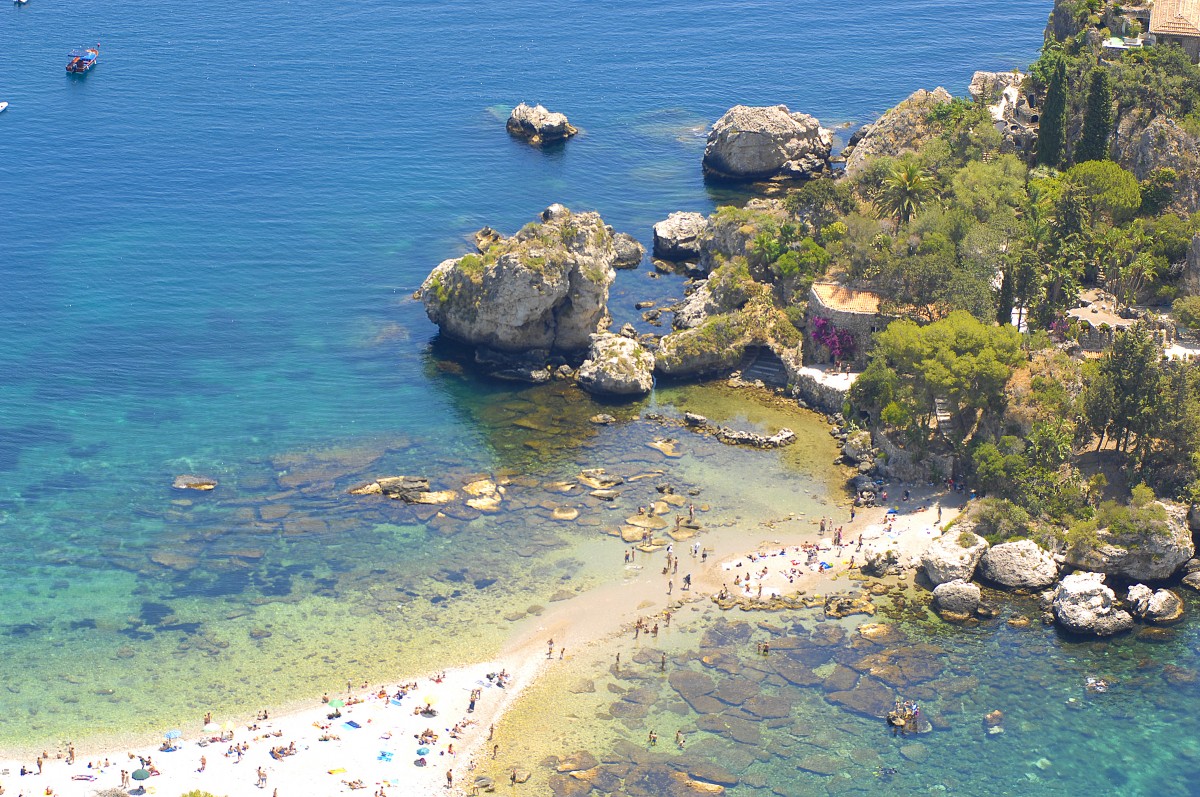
<point>1175,18</point>
<point>847,300</point>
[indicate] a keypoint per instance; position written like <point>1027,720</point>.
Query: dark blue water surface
<point>207,251</point>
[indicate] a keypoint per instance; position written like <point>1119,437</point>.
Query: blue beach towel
<point>351,724</point>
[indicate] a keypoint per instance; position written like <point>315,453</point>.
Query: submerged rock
<point>763,143</point>
<point>1083,604</point>
<point>537,125</point>
<point>190,482</point>
<point>616,366</point>
<point>544,288</point>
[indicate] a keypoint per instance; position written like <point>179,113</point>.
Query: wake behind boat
<point>83,59</point>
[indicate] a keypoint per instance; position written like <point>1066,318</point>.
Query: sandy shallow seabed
<point>587,630</point>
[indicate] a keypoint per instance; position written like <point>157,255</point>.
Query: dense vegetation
<point>981,249</point>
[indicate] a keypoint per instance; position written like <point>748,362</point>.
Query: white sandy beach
<point>374,742</point>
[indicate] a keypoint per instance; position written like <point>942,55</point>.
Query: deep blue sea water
<point>207,251</point>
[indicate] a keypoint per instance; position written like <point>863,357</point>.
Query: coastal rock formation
<point>537,125</point>
<point>952,556</point>
<point>1161,607</point>
<point>958,599</point>
<point>187,481</point>
<point>902,129</point>
<point>880,560</point>
<point>544,288</point>
<point>1083,604</point>
<point>1142,147</point>
<point>762,143</point>
<point>1152,555</point>
<point>857,446</point>
<point>616,366</point>
<point>629,251</point>
<point>677,237</point>
<point>1019,565</point>
<point>988,86</point>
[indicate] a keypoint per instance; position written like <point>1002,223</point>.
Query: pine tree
<point>1052,134</point>
<point>1097,120</point>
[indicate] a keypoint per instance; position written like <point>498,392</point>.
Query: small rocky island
<point>538,126</point>
<point>766,143</point>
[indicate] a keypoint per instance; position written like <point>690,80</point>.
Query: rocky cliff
<point>544,288</point>
<point>902,129</point>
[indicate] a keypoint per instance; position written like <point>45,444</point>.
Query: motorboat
<point>82,59</point>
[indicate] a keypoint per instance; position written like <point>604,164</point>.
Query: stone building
<point>1177,22</point>
<point>851,314</point>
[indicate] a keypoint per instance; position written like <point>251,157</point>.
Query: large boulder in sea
<point>1020,565</point>
<point>1153,551</point>
<point>957,599</point>
<point>902,129</point>
<point>616,366</point>
<point>1083,604</point>
<point>629,251</point>
<point>537,125</point>
<point>763,143</point>
<point>953,556</point>
<point>1161,607</point>
<point>544,288</point>
<point>677,237</point>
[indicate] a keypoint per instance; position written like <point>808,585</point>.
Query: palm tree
<point>905,191</point>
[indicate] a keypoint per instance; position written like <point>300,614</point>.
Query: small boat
<point>83,59</point>
<point>3,105</point>
<point>20,2</point>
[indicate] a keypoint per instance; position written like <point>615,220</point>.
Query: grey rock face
<point>1019,565</point>
<point>948,559</point>
<point>678,237</point>
<point>537,125</point>
<point>629,251</point>
<point>1083,604</point>
<point>1147,557</point>
<point>761,143</point>
<point>1155,606</point>
<point>902,129</point>
<point>616,365</point>
<point>957,597</point>
<point>544,288</point>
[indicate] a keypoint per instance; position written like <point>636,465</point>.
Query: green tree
<point>1158,191</point>
<point>905,191</point>
<point>1121,400</point>
<point>985,189</point>
<point>1097,119</point>
<point>1187,311</point>
<point>1107,190</point>
<point>1052,131</point>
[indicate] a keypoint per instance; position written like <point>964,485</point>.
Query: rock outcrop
<point>1161,607</point>
<point>188,481</point>
<point>616,366</point>
<point>544,288</point>
<point>902,129</point>
<point>537,125</point>
<point>988,86</point>
<point>880,560</point>
<point>1150,555</point>
<point>1161,143</point>
<point>764,143</point>
<point>857,446</point>
<point>1083,604</point>
<point>959,599</point>
<point>1019,565</point>
<point>953,556</point>
<point>677,237</point>
<point>629,251</point>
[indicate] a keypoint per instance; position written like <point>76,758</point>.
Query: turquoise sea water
<point>207,248</point>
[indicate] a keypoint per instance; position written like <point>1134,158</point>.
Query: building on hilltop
<point>841,322</point>
<point>1177,22</point>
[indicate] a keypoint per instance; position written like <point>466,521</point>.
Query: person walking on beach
<point>39,763</point>
<point>687,582</point>
<point>495,750</point>
<point>203,764</point>
<point>262,778</point>
<point>670,586</point>
<point>449,779</point>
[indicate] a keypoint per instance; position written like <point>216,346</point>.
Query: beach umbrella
<point>228,726</point>
<point>173,733</point>
<point>212,727</point>
<point>336,703</point>
<point>430,699</point>
<point>140,774</point>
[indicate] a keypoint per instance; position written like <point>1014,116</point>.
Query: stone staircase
<point>760,364</point>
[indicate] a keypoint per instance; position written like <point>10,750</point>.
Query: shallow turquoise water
<point>207,248</point>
